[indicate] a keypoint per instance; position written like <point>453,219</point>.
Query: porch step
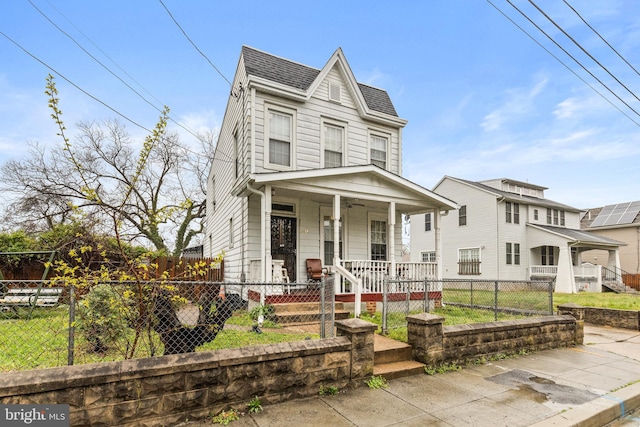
<point>393,359</point>
<point>303,313</point>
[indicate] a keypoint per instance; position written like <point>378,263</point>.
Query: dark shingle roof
<point>580,235</point>
<point>286,72</point>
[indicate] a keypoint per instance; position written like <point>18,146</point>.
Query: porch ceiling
<point>366,185</point>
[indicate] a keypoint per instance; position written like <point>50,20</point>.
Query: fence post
<point>72,328</point>
<point>551,297</point>
<point>408,285</point>
<point>322,308</point>
<point>495,302</point>
<point>426,287</point>
<point>385,308</point>
<point>471,293</point>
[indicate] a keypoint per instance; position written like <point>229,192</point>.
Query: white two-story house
<point>308,165</point>
<point>507,230</point>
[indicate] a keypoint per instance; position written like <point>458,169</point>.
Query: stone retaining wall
<point>434,343</point>
<point>165,390</point>
<point>627,319</point>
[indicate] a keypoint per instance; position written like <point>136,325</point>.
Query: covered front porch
<point>556,252</point>
<point>349,218</point>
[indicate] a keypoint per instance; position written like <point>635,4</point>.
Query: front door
<point>283,242</point>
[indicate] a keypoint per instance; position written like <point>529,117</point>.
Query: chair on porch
<point>315,269</point>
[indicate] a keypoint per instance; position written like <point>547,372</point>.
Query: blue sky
<point>482,99</point>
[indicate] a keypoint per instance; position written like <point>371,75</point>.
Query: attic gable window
<point>280,138</point>
<point>334,92</point>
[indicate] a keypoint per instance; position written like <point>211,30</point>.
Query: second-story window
<point>333,143</point>
<point>379,151</point>
<point>512,212</point>
<point>280,138</point>
<point>427,222</point>
<point>462,215</point>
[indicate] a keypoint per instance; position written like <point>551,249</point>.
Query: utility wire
<point>193,44</point>
<point>73,84</point>
<point>563,64</point>
<point>572,57</point>
<point>583,49</point>
<point>601,38</point>
<point>193,133</point>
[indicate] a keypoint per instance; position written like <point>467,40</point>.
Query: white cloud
<point>518,103</point>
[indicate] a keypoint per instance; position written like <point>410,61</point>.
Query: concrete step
<point>393,359</point>
<point>306,317</point>
<point>297,307</point>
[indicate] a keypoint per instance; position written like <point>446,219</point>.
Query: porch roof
<point>579,237</point>
<point>362,183</point>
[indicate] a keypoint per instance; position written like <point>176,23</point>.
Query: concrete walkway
<point>589,385</point>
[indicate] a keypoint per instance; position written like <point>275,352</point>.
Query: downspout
<point>502,199</point>
<point>263,209</point>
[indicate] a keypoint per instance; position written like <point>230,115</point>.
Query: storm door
<point>283,242</point>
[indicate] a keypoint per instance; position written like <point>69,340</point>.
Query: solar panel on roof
<point>622,213</point>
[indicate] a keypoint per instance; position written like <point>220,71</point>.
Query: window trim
<point>379,134</point>
<point>428,223</point>
<point>275,108</point>
<point>336,124</point>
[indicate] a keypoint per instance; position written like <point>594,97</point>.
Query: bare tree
<point>163,193</point>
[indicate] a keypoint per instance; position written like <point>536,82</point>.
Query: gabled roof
<point>301,77</point>
<point>578,236</point>
<point>511,197</point>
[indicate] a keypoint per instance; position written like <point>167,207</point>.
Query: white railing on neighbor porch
<point>372,273</point>
<point>583,271</point>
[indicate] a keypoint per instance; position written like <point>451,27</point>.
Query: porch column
<point>565,280</point>
<point>438,242</point>
<point>614,261</point>
<point>392,239</point>
<point>336,242</point>
<point>268,273</point>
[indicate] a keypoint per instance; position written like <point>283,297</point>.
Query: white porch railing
<point>583,271</point>
<point>372,273</point>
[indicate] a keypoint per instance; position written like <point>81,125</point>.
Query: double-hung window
<point>329,250</point>
<point>513,253</point>
<point>512,211</point>
<point>379,151</point>
<point>378,240</point>
<point>333,145</point>
<point>462,215</point>
<point>469,261</point>
<point>280,138</point>
<point>427,222</point>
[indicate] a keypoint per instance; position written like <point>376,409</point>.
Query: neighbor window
<point>513,253</point>
<point>428,256</point>
<point>469,261</point>
<point>562,222</point>
<point>547,255</point>
<point>512,211</point>
<point>379,240</point>
<point>333,143</point>
<point>236,154</point>
<point>535,214</point>
<point>230,232</point>
<point>379,151</point>
<point>462,215</point>
<point>427,222</point>
<point>280,138</point>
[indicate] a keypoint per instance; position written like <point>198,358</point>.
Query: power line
<point>193,44</point>
<point>572,57</point>
<point>73,84</point>
<point>583,49</point>
<point>561,62</point>
<point>111,72</point>
<point>601,38</point>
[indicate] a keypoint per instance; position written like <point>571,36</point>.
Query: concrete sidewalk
<point>590,385</point>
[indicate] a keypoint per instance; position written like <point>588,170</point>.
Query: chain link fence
<point>44,324</point>
<point>462,301</point>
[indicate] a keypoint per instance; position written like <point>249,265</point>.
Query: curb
<point>598,412</point>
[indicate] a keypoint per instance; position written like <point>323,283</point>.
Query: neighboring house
<point>308,165</point>
<point>620,222</point>
<point>507,230</point>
